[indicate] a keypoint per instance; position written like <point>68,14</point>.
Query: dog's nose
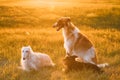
<point>23,58</point>
<point>54,25</point>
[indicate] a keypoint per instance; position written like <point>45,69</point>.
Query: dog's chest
<point>68,42</point>
<point>69,39</point>
<point>68,45</point>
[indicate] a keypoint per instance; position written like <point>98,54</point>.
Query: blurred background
<point>29,22</point>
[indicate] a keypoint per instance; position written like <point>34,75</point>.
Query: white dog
<point>33,61</point>
<point>76,43</point>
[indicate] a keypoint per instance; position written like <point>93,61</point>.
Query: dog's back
<point>33,61</point>
<point>71,64</point>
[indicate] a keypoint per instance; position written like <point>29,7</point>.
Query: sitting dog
<point>76,43</point>
<point>71,64</point>
<point>33,61</point>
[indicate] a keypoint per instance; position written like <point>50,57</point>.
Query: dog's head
<point>26,52</point>
<point>69,59</point>
<point>62,22</point>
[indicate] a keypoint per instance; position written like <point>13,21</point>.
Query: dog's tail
<point>103,65</point>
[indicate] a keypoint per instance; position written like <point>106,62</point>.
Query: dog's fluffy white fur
<point>33,61</point>
<point>76,43</point>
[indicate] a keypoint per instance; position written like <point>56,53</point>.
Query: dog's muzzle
<point>23,58</point>
<point>54,25</point>
<point>58,28</point>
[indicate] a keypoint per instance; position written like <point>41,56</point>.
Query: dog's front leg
<point>70,51</point>
<point>34,67</point>
<point>67,54</point>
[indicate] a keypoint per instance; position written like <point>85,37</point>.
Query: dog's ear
<point>68,20</point>
<point>74,57</point>
<point>30,47</point>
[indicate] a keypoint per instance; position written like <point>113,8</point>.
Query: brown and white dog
<point>76,43</point>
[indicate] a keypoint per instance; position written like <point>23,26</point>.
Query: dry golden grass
<point>21,26</point>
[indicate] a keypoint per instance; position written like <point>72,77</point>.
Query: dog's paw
<point>63,69</point>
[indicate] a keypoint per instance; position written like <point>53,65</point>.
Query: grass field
<point>22,25</point>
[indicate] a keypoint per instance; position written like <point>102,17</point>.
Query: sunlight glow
<point>38,3</point>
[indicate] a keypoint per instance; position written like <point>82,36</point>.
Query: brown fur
<point>71,64</point>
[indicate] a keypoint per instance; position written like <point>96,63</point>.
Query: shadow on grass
<point>86,75</point>
<point>101,18</point>
<point>95,18</point>
<point>114,53</point>
<point>42,74</point>
<point>115,56</point>
<point>15,17</point>
<point>3,61</point>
